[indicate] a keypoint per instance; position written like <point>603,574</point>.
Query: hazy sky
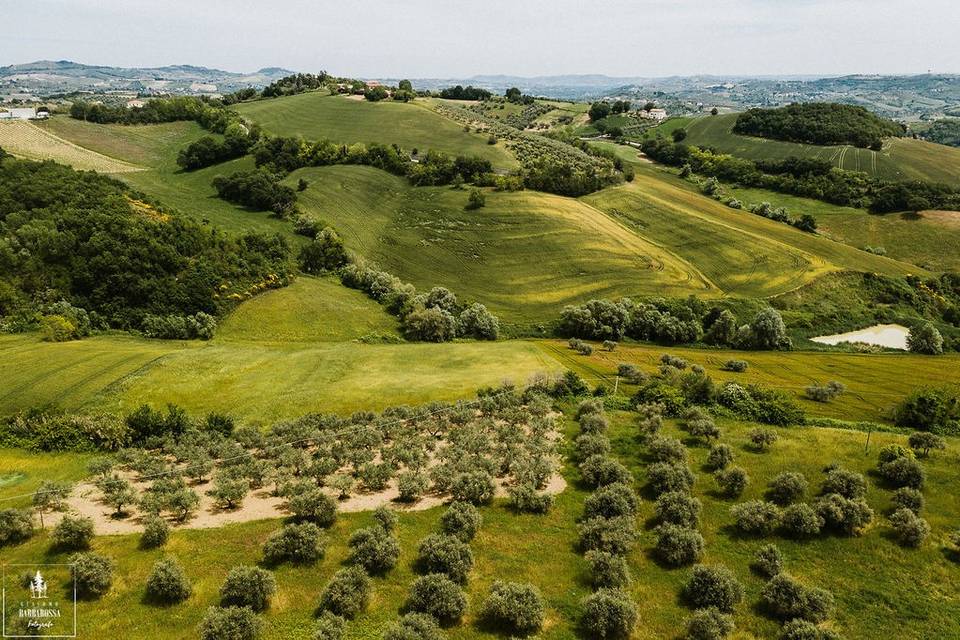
<point>443,38</point>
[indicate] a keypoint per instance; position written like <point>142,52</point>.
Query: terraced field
<point>27,140</point>
<point>900,159</point>
<point>344,119</point>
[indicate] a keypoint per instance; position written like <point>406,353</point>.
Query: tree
<point>720,457</point>
<point>801,520</point>
<point>787,487</point>
<point>155,532</point>
<point>679,508</point>
<point>723,331</point>
<point>844,482</point>
<point>768,561</point>
<point>248,586</point>
<point>476,199</point>
<point>477,322</point>
<point>844,515</point>
<point>713,586</point>
<point>678,135</point>
<point>16,525</point>
<point>903,471</point>
<point>183,503</point>
<point>447,555</point>
<point>907,498</point>
<point>73,533</point>
<point>93,574</point>
<point>512,94</point>
<point>313,505</point>
<point>228,491</point>
<point>347,593</point>
<point>614,535</point>
<point>611,501</point>
<point>117,492</point>
<point>787,599</point>
<point>608,570</point>
<point>756,517</point>
<point>922,442</point>
<point>599,111</point>
<point>375,549</point>
<point>50,496</point>
<point>299,543</point>
<point>330,627</point>
<point>326,253</point>
<point>677,546</point>
<point>608,613</point>
<point>762,439</point>
<point>461,520</point>
<point>430,325</point>
<point>513,607</point>
<point>910,529</point>
<point>415,626</point>
<point>230,623</point>
<point>475,487</point>
<point>167,582</point>
<point>714,111</point>
<point>929,409</point>
<point>732,481</point>
<point>663,477</point>
<point>767,331</point>
<point>709,624</point>
<point>805,630</point>
<point>436,595</point>
<point>405,85</point>
<point>925,338</point>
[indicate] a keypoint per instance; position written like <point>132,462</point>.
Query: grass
<point>875,382</point>
<point>318,116</point>
<point>424,236</point>
<point>27,140</point>
<point>900,159</point>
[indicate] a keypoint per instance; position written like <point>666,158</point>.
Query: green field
<point>317,116</point>
<point>424,236</point>
<point>27,140</point>
<point>900,159</point>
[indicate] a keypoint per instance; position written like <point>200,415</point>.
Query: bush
<point>589,444</point>
<point>414,626</point>
<point>679,508</point>
<point>475,487</point>
<point>720,457</point>
<point>230,623</point>
<point>611,501</point>
<point>430,325</point>
<point>844,515</point>
<point>677,546</point>
<point>593,423</point>
<point>301,543</point>
<point>461,520</point>
<point>314,505</point>
<point>801,521</point>
<point>346,593</point>
<point>445,554</point>
<point>525,499</point>
<point>608,613</point>
<point>155,532</point>
<point>331,627</point>
<point>825,392</point>
<point>248,586</point>
<point>925,338</point>
<point>513,607</point>
<point>713,586</point>
<point>608,570</point>
<point>737,366</point>
<point>375,549</point>
<point>787,487</point>
<point>93,574</point>
<point>732,481</point>
<point>436,595</point>
<point>909,528</point>
<point>787,599</point>
<point>930,409</point>
<point>411,485</point>
<point>922,442</point>
<point>73,533</point>
<point>846,483</point>
<point>709,624</point>
<point>903,472</point>
<point>615,535</point>
<point>477,322</point>
<point>666,449</point>
<point>167,582</point>
<point>762,439</point>
<point>755,517</point>
<point>768,561</point>
<point>907,498</point>
<point>16,525</point>
<point>598,471</point>
<point>663,477</point>
<point>804,630</point>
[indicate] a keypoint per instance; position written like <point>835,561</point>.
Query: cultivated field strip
<point>26,140</point>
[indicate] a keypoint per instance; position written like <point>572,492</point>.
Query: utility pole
<point>616,385</point>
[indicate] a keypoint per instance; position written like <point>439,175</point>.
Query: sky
<point>457,39</point>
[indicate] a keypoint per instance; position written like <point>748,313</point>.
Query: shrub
<point>631,373</point>
<point>909,528</point>
<point>922,442</point>
<point>615,535</point>
<point>720,457</point>
<point>412,485</point>
<point>598,471</point>
<point>679,508</point>
<point>313,505</point>
<point>907,498</point>
<point>93,574</point>
<point>248,586</point>
<point>732,481</point>
<point>414,626</point>
<point>375,549</point>
<point>155,532</point>
<point>16,525</point>
<point>476,199</point>
<point>611,501</point>
<point>755,517</point>
<point>230,623</point>
<point>301,543</point>
<point>73,533</point>
<point>167,582</point>
<point>475,487</point>
<point>663,477</point>
<point>787,599</point>
<point>824,392</point>
<point>801,521</point>
<point>677,546</point>
<point>737,366</point>
<point>608,613</point>
<point>768,561</point>
<point>666,449</point>
<point>514,607</point>
<point>929,409</point>
<point>925,338</point>
<point>477,322</point>
<point>844,515</point>
<point>713,586</point>
<point>346,593</point>
<point>608,570</point>
<point>594,423</point>
<point>846,483</point>
<point>590,444</point>
<point>461,520</point>
<point>709,624</point>
<point>903,472</point>
<point>330,627</point>
<point>787,487</point>
<point>436,595</point>
<point>525,499</point>
<point>762,439</point>
<point>805,630</point>
<point>447,555</point>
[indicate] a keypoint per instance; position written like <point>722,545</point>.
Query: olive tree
<point>248,586</point>
<point>677,546</point>
<point>768,561</point>
<point>514,607</point>
<point>713,586</point>
<point>50,496</point>
<point>755,517</point>
<point>436,595</point>
<point>167,582</point>
<point>347,593</point>
<point>787,599</point>
<point>438,553</point>
<point>732,481</point>
<point>92,573</point>
<point>414,626</point>
<point>375,549</point>
<point>299,543</point>
<point>608,613</point>
<point>679,508</point>
<point>230,623</point>
<point>787,487</point>
<point>461,520</point>
<point>922,442</point>
<point>73,533</point>
<point>709,624</point>
<point>608,570</point>
<point>156,531</point>
<point>910,529</point>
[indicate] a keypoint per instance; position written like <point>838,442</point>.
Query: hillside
<point>820,123</point>
<point>900,158</point>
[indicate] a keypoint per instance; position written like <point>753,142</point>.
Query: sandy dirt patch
<point>950,219</point>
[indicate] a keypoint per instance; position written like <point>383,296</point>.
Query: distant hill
<point>46,77</point>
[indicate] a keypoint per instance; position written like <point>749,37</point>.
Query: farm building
<point>135,104</point>
<point>22,113</point>
<point>655,114</point>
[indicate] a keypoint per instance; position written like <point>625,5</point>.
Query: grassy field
<point>318,116</point>
<point>900,159</point>
<point>27,140</point>
<point>425,236</point>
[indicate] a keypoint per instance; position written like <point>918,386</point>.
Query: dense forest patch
<point>818,123</point>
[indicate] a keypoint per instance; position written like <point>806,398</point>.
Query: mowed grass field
<point>27,140</point>
<point>524,254</point>
<point>875,382</point>
<point>877,584</point>
<point>900,159</point>
<point>317,116</point>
